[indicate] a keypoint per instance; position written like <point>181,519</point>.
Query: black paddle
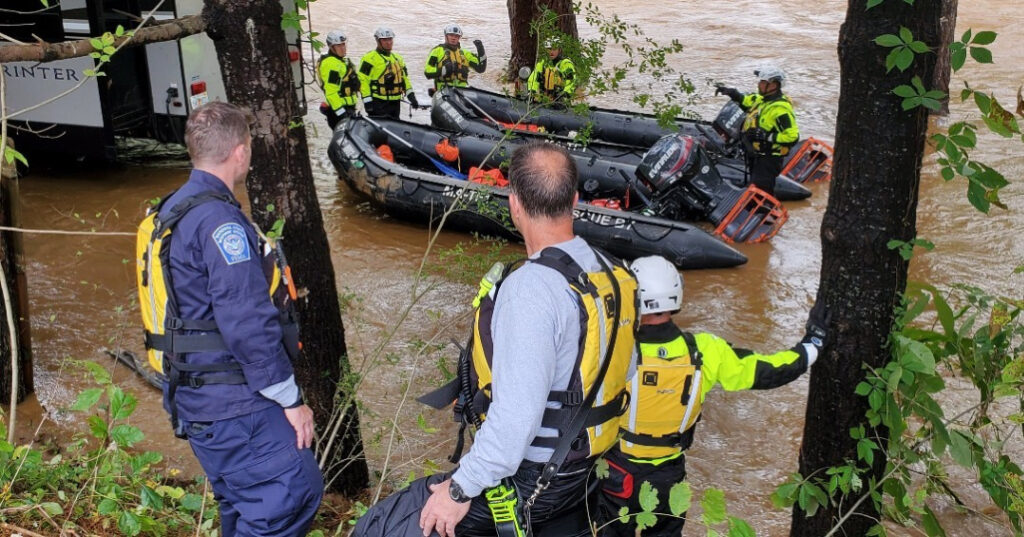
<point>447,170</point>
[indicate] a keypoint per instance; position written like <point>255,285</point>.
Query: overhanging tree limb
<point>48,52</point>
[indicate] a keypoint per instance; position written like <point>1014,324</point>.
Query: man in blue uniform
<point>234,397</point>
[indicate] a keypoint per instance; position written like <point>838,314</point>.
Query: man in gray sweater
<point>535,339</point>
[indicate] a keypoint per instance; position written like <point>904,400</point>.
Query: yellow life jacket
<point>459,75</point>
<point>164,329</point>
<point>602,338</point>
<point>664,399</point>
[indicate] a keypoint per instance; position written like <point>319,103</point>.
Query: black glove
<point>412,99</point>
<point>446,68</point>
<point>817,326</point>
<point>479,47</point>
<point>325,109</point>
<point>732,93</point>
<point>759,135</point>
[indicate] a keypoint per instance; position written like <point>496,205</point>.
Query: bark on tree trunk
<point>257,76</point>
<point>10,256</point>
<point>524,44</point>
<point>942,68</point>
<point>872,200</point>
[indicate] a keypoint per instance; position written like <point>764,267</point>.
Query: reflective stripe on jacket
<point>774,115</point>
<point>459,60</point>
<point>553,79</point>
<point>383,76</point>
<point>671,381</point>
<point>338,80</point>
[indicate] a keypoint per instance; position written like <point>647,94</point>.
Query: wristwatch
<point>456,494</point>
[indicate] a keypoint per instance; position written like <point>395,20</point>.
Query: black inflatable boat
<point>391,162</point>
<point>487,113</point>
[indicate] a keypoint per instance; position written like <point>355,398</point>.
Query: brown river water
<point>82,288</point>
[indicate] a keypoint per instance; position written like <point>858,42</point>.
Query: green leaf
<point>645,520</point>
<point>126,435</point>
<point>904,91</point>
<point>947,174</point>
<point>121,404</point>
<point>679,498</point>
<point>99,374</point>
<point>106,506</point>
<point>739,528</point>
<point>904,58</point>
<point>713,504</point>
<point>976,195</point>
<point>624,514</point>
<point>984,38</point>
<point>929,522</point>
<point>918,85</point>
<point>906,35</point>
<point>960,449</point>
<point>888,40</point>
<point>421,422</point>
<point>98,427</point>
<point>981,54</point>
<point>864,388</point>
<point>866,450</point>
<point>984,102</point>
<point>957,58</point>
<point>129,523</point>
<point>96,43</point>
<point>601,468</point>
<point>12,154</point>
<point>192,502</point>
<point>873,3</point>
<point>919,47</point>
<point>52,508</point>
<point>87,399</point>
<point>151,499</point>
<point>648,497</point>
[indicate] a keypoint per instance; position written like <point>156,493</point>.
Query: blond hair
<point>214,130</point>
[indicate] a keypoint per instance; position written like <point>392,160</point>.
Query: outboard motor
<point>729,121</point>
<point>685,185</point>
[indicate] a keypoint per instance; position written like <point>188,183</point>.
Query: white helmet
<point>453,29</point>
<point>335,37</point>
<point>770,72</point>
<point>660,284</point>
<point>384,33</point>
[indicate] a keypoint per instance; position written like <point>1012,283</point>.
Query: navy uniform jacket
<point>217,273</point>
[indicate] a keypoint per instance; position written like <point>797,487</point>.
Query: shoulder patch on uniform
<point>232,242</point>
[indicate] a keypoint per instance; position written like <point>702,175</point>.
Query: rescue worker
<point>384,79</point>
<point>673,374</point>
<point>232,393</point>
<point>770,130</point>
<point>448,64</point>
<point>338,80</point>
<point>530,392</point>
<point>553,78</point>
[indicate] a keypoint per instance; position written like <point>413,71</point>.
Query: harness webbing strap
<point>681,440</point>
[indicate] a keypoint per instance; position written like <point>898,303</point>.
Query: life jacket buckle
<point>194,382</point>
<point>573,398</point>
<point>174,323</point>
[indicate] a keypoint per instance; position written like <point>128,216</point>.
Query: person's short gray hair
<point>214,130</point>
<point>544,178</point>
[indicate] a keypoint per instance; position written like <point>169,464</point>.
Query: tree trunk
<point>942,68</point>
<point>253,56</point>
<point>872,200</point>
<point>11,254</point>
<point>521,13</point>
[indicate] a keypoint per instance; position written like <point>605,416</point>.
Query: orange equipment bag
<point>447,151</point>
<point>385,153</point>
<point>492,177</point>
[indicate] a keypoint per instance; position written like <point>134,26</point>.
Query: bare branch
<point>48,52</point>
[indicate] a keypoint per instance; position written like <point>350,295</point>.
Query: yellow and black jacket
<point>338,80</point>
<point>674,372</point>
<point>459,62</point>
<point>773,114</point>
<point>608,320</point>
<point>383,76</point>
<point>555,79</point>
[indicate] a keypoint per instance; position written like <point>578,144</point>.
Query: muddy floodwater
<point>82,288</point>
